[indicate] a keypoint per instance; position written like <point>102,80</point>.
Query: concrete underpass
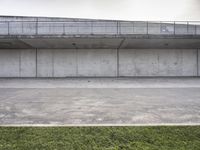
<point>98,72</point>
<point>58,47</point>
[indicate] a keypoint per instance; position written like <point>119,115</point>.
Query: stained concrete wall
<point>198,59</point>
<point>27,63</point>
<point>45,63</point>
<point>99,62</point>
<point>56,63</point>
<point>81,62</point>
<point>9,63</point>
<point>17,63</point>
<point>65,63</point>
<point>157,62</point>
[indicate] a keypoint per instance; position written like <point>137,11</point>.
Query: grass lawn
<point>106,138</point>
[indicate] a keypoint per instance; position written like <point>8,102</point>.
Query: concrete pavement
<point>102,101</point>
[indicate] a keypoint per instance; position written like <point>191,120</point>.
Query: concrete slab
<point>135,101</point>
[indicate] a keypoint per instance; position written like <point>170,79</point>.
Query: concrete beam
<point>99,62</point>
<point>102,43</point>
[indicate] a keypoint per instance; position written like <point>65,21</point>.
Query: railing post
<point>174,27</point>
<point>187,27</point>
<point>8,28</point>
<point>195,27</point>
<point>22,27</point>
<point>117,27</point>
<point>63,28</point>
<point>91,27</point>
<point>37,26</point>
<point>160,27</point>
<point>147,27</point>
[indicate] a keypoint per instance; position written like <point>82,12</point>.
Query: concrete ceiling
<point>125,42</point>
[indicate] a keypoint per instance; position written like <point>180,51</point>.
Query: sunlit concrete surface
<point>87,101</point>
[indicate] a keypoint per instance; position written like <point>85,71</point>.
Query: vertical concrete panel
<point>127,65</point>
<point>44,63</point>
<point>64,63</point>
<point>159,62</point>
<point>28,63</point>
<point>9,63</point>
<point>189,62</point>
<point>170,62</point>
<point>138,62</point>
<point>98,62</point>
<point>198,62</point>
<point>146,62</point>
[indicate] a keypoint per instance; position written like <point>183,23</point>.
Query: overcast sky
<point>105,9</point>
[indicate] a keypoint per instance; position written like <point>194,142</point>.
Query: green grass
<point>106,138</point>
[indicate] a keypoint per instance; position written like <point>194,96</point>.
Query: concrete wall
<point>154,62</point>
<point>198,59</point>
<point>99,62</point>
<point>27,63</point>
<point>82,62</point>
<point>17,63</point>
<point>9,63</point>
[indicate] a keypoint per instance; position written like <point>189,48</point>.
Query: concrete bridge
<point>60,47</point>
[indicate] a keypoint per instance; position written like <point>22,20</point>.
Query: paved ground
<point>100,101</point>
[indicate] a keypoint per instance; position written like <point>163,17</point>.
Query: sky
<point>150,10</point>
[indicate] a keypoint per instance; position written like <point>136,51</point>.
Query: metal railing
<point>99,27</point>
